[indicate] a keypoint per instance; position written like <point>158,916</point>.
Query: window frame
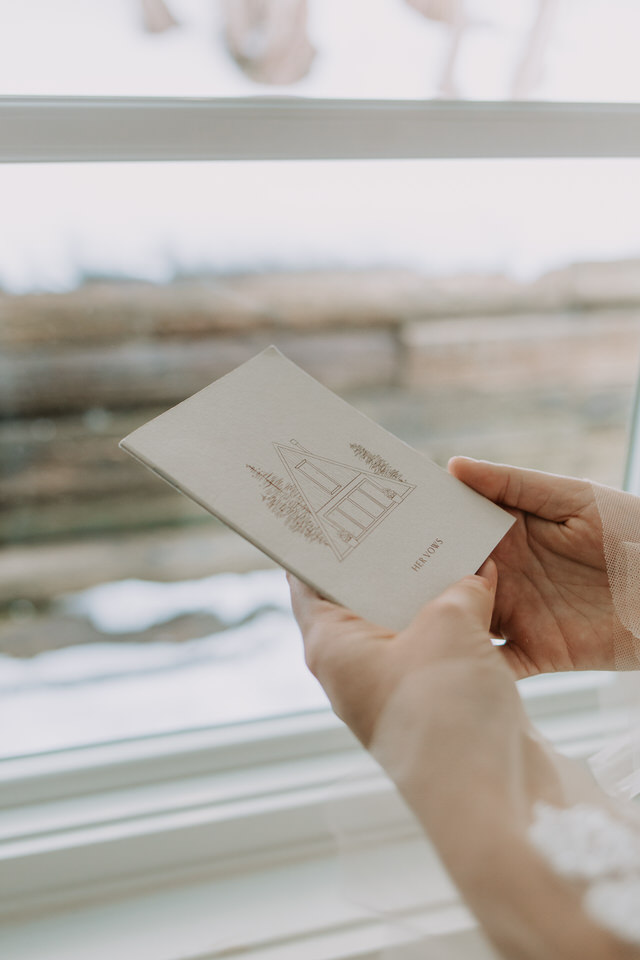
<point>122,819</point>
<point>41,129</point>
<point>72,129</point>
<point>254,793</point>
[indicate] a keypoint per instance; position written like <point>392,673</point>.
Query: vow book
<point>327,493</point>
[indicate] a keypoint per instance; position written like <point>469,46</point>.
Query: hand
<point>438,707</point>
<point>436,703</point>
<point>553,603</point>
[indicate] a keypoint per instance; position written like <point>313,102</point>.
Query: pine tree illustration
<point>283,499</point>
<point>376,463</point>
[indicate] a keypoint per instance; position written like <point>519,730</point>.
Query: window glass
<point>471,49</point>
<point>484,308</point>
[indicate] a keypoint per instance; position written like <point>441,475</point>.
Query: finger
<point>306,603</point>
<point>310,609</point>
<point>468,603</point>
<point>489,572</point>
<point>478,594</point>
<point>320,638</point>
<point>334,637</point>
<point>547,495</point>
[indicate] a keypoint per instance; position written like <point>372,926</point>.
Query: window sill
<point>132,830</point>
<point>297,911</point>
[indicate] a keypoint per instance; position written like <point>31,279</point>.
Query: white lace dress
<point>599,851</point>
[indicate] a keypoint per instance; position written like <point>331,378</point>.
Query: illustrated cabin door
<point>352,509</point>
<point>361,507</point>
<point>346,502</point>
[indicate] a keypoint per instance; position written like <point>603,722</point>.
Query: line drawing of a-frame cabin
<point>347,503</point>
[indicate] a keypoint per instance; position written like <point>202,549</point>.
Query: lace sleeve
<point>600,851</point>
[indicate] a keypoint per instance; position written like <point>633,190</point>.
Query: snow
<point>365,48</point>
<point>151,221</point>
<point>109,691</point>
<point>130,605</point>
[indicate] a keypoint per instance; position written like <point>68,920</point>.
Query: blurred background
<point>490,308</point>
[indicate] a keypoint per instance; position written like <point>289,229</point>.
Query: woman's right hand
<point>554,606</point>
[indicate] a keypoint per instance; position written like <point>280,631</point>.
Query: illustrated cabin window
<point>351,508</point>
<point>368,498</point>
<point>319,477</point>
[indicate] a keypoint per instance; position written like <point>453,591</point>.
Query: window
<point>180,749</point>
<point>130,612</point>
<point>352,49</point>
<point>318,476</point>
<point>398,295</point>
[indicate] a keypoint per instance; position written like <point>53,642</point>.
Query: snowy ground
<point>365,48</point>
<point>153,220</point>
<point>110,691</point>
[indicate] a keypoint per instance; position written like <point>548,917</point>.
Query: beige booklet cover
<point>322,489</point>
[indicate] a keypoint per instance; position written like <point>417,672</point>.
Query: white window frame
<point>133,819</point>
<point>50,129</point>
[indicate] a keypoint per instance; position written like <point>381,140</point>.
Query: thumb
<point>547,495</point>
<point>481,593</point>
<point>467,603</point>
<point>475,595</point>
